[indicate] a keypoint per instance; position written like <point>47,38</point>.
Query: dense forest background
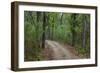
<point>66,28</point>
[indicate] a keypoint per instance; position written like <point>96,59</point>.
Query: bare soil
<point>57,51</point>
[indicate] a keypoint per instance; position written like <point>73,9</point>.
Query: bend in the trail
<point>59,51</point>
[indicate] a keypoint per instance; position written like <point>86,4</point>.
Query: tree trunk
<point>84,32</point>
<point>43,34</point>
<point>61,19</point>
<point>37,29</point>
<point>38,16</point>
<point>48,30</point>
<point>73,28</point>
<point>52,33</point>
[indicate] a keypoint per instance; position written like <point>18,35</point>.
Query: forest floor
<point>57,51</point>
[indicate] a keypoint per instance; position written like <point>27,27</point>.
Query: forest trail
<point>59,51</point>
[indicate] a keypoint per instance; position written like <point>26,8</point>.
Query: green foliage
<point>34,54</point>
<point>63,27</point>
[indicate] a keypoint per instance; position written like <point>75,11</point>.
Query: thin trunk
<point>38,16</point>
<point>43,34</point>
<point>52,34</point>
<point>61,19</point>
<point>48,30</point>
<point>73,28</point>
<point>84,32</point>
<point>37,29</point>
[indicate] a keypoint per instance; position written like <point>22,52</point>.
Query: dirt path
<point>59,51</point>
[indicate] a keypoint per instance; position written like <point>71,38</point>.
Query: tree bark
<point>73,28</point>
<point>84,32</point>
<point>37,29</point>
<point>61,19</point>
<point>43,34</point>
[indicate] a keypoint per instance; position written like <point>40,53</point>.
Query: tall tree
<point>43,34</point>
<point>47,26</point>
<point>73,24</point>
<point>38,16</point>
<point>84,31</point>
<point>38,40</point>
<point>61,19</point>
